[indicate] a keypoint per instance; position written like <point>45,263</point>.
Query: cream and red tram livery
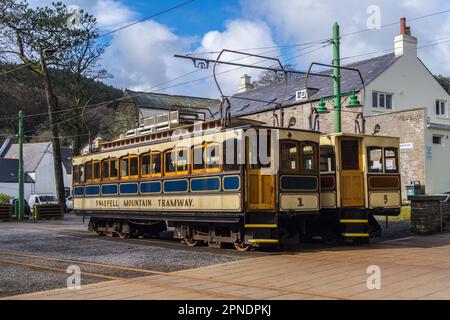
<point>148,182</point>
<point>360,178</point>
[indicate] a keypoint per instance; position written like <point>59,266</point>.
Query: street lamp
<point>354,102</point>
<point>322,109</point>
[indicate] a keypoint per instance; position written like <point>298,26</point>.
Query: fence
<point>47,211</point>
<point>6,212</point>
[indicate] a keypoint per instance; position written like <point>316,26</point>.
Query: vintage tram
<point>187,178</point>
<point>360,178</point>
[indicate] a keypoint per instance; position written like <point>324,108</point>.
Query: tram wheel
<point>123,235</point>
<point>99,233</point>
<point>330,239</point>
<point>242,246</point>
<point>190,242</point>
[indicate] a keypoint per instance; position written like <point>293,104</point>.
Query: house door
<point>352,178</point>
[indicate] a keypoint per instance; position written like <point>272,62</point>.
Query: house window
<point>437,139</point>
<point>441,108</point>
<point>382,100</point>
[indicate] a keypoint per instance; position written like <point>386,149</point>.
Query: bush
<point>4,198</point>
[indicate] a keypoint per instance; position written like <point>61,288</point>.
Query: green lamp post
<point>336,78</point>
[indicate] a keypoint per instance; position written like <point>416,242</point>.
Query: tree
<point>81,69</point>
<point>268,77</point>
<point>444,82</point>
<point>39,38</point>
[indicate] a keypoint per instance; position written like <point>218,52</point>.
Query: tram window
<point>257,152</point>
<point>198,157</point>
<point>350,154</point>
<point>182,160</point>
<point>169,161</point>
<point>88,166</point>
<point>231,146</point>
<point>390,160</point>
<point>96,170</point>
<point>327,159</point>
<point>155,163</point>
<point>134,167</point>
<point>289,156</point>
<point>123,167</point>
<point>81,173</point>
<point>375,159</point>
<point>75,174</point>
<point>113,168</point>
<point>308,156</point>
<point>212,157</point>
<point>145,164</point>
<point>105,169</point>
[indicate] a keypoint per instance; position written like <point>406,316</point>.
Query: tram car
<point>179,175</point>
<point>360,178</point>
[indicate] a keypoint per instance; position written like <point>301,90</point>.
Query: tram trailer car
<point>360,178</point>
<point>145,184</point>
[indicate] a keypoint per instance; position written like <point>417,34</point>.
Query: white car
<point>69,204</point>
<point>41,198</point>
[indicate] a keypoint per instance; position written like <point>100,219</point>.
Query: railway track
<point>168,243</point>
<point>88,269</point>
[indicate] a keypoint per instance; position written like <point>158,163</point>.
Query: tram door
<point>260,180</point>
<point>352,177</point>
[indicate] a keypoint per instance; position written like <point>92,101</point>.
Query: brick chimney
<point>405,44</point>
<point>245,84</point>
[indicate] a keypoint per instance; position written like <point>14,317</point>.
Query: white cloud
<point>141,57</point>
<point>296,21</point>
<point>112,14</point>
<point>238,35</point>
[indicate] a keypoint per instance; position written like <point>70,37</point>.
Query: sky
<point>141,58</point>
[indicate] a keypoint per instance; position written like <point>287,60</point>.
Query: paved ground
<point>34,255</point>
<point>411,268</point>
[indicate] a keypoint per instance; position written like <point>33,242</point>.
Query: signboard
<point>428,152</point>
<point>406,146</point>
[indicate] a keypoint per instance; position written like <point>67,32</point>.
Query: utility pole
<point>336,79</point>
<point>19,212</point>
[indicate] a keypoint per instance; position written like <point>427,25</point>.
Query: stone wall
<point>426,214</point>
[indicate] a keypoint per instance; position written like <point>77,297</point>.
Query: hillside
<point>23,90</point>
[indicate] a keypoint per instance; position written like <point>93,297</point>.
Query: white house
<point>38,165</point>
<point>9,179</point>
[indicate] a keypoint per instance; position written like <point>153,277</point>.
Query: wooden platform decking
<point>411,268</point>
